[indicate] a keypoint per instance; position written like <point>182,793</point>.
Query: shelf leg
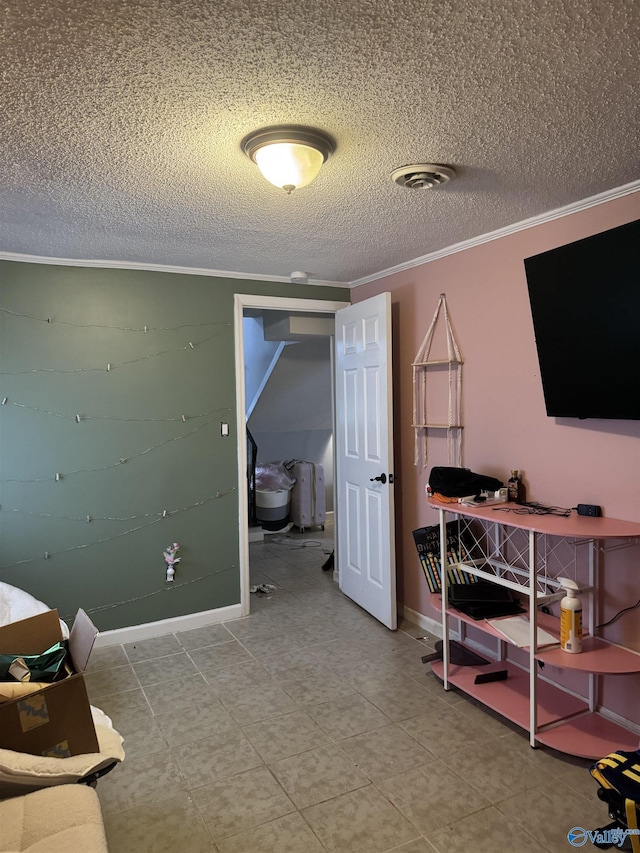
<point>444,583</point>
<point>533,637</point>
<point>594,583</point>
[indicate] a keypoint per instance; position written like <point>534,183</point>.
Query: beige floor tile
<point>324,632</point>
<point>220,656</point>
<point>177,694</point>
<point>195,723</point>
<point>315,690</point>
<point>495,769</point>
<point>289,834</point>
<point>258,703</point>
<point>491,722</point>
<point>407,700</point>
<point>385,752</point>
<point>299,582</point>
<point>161,670</point>
<point>241,802</point>
<point>142,735</point>
<point>107,657</point>
<point>431,796</point>
<point>295,664</point>
<point>159,826</point>
<point>361,821</point>
<point>274,601</point>
<point>318,775</point>
<point>487,831</point>
<point>572,771</point>
<point>410,662</point>
<point>279,571</point>
<point>348,716</point>
<point>372,675</point>
<point>140,780</point>
<point>286,735</point>
<point>216,757</point>
<point>104,682</point>
<point>209,635</point>
<point>236,679</point>
<point>258,578</point>
<point>156,647</point>
<point>443,729</point>
<point>265,648</point>
<point>121,706</point>
<point>420,845</point>
<point>339,652</point>
<point>453,696</point>
<point>409,642</point>
<point>247,625</point>
<point>562,808</point>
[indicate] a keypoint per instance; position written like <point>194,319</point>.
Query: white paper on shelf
<point>516,630</point>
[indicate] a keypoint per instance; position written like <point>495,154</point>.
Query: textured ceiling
<point>122,121</point>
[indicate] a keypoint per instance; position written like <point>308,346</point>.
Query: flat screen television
<point>585,305</point>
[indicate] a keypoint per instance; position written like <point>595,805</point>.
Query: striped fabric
<point>620,771</point>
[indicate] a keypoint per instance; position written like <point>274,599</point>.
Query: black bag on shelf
<point>461,482</point>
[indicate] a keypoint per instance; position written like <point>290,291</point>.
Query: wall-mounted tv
<point>585,304</point>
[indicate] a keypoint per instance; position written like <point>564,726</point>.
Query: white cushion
<point>16,604</point>
<point>21,772</point>
<point>65,819</point>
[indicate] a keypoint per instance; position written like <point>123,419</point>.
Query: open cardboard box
<point>56,720</point>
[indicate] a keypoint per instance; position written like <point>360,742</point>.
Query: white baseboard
<point>149,630</point>
<point>433,626</point>
<point>621,721</point>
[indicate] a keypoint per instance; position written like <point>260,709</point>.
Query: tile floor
<point>308,727</point>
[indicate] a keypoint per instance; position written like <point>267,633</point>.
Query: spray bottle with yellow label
<point>570,617</point>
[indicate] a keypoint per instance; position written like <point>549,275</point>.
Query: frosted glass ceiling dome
<point>289,156</point>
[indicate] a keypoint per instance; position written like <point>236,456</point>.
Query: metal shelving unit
<point>528,554</point>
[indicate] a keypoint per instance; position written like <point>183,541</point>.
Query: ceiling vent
<point>422,176</point>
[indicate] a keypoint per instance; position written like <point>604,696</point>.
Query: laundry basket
<point>272,508</point>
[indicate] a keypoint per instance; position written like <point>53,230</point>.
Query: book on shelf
<point>516,629</point>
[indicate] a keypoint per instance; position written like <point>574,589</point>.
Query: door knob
<point>381,479</point>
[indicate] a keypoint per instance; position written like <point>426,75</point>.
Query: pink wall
<point>564,462</point>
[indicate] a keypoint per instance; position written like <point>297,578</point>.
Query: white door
<point>364,457</point>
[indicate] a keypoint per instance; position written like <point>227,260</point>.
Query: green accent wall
<point>51,372</point>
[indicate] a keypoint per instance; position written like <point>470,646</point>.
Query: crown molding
<point>558,213</point>
<point>135,265</point>
<point>575,207</point>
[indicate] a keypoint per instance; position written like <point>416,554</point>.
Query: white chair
<point>66,819</point>
<point>21,773</point>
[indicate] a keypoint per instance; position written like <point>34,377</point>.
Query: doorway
<point>246,305</point>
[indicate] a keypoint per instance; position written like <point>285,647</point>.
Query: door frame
<point>272,303</point>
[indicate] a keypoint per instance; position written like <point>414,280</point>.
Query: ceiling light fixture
<point>422,176</point>
<point>289,156</point>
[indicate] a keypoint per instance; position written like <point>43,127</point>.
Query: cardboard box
<point>56,720</point>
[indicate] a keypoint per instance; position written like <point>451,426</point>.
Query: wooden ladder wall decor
<point>421,366</point>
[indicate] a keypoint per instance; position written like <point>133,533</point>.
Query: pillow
<point>16,604</point>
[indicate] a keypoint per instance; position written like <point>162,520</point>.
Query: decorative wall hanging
<point>421,367</point>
